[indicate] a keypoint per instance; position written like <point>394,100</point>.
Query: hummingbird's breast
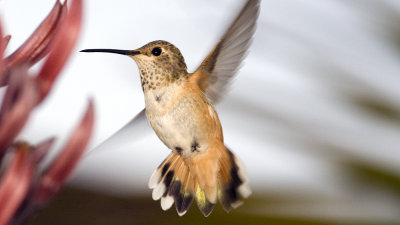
<point>182,118</point>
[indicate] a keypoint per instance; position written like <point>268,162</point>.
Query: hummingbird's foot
<point>178,150</point>
<point>195,146</point>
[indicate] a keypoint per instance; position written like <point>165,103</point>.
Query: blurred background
<point>314,113</point>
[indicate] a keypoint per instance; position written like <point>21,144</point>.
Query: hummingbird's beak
<point>116,51</point>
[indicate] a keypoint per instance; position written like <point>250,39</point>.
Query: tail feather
<point>203,203</point>
<point>235,187</point>
<point>180,190</point>
<point>160,171</point>
<point>206,177</point>
<point>183,200</point>
<point>162,177</point>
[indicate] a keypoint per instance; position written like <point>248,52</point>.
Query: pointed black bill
<point>116,51</point>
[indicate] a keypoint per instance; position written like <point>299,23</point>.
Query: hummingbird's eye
<point>156,51</point>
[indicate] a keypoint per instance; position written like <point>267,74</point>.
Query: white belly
<point>174,123</point>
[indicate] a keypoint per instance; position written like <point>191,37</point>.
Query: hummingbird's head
<point>160,63</point>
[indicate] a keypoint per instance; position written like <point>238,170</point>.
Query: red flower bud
<point>15,182</point>
<point>18,102</point>
<point>36,46</point>
<point>64,41</point>
<point>56,174</point>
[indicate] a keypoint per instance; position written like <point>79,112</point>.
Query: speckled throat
<point>156,74</point>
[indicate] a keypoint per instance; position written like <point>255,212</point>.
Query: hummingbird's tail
<point>215,173</point>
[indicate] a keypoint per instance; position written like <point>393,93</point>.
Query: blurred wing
<point>216,71</point>
<point>135,130</point>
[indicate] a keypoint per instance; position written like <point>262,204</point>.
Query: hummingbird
<point>179,108</point>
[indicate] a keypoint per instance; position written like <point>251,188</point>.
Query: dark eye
<point>156,51</point>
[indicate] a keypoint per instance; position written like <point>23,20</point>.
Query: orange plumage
<point>179,107</point>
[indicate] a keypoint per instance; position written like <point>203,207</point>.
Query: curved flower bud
<point>6,39</point>
<point>36,46</point>
<point>64,41</point>
<point>23,189</point>
<point>3,44</point>
<point>20,98</point>
<point>16,182</point>
<point>42,149</point>
<point>56,174</point>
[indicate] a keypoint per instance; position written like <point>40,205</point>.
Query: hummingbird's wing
<point>221,65</point>
<point>134,130</point>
